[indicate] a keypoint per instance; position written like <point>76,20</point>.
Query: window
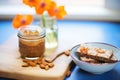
<point>64,2</point>
<point>81,2</point>
<point>76,9</point>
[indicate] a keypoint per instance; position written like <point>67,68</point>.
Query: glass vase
<point>51,28</point>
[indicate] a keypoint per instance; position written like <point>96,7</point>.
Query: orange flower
<point>51,9</point>
<point>21,20</point>
<point>59,12</point>
<point>47,5</point>
<point>31,3</point>
<point>42,5</point>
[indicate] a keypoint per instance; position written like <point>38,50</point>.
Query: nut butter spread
<point>31,42</point>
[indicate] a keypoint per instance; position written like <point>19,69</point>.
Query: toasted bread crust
<point>98,54</point>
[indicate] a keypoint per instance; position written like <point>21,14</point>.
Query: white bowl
<point>95,68</point>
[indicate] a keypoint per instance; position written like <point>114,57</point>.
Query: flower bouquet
<point>49,12</point>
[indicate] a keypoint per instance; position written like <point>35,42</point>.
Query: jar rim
<point>31,28</point>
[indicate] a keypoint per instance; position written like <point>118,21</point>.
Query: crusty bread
<point>99,54</point>
<point>113,59</point>
<point>88,60</point>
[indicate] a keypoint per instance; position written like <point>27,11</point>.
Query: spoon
<point>50,60</point>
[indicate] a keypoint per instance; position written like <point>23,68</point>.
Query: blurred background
<point>101,10</point>
<point>92,20</point>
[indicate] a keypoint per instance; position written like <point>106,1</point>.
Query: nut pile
<point>41,62</point>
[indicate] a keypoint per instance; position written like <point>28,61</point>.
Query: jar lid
<point>31,32</point>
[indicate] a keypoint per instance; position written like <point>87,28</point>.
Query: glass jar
<point>31,42</point>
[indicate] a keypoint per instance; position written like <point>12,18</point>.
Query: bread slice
<point>98,54</point>
<point>113,59</point>
<point>89,60</point>
<point>85,59</point>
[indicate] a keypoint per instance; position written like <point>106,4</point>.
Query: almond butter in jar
<point>31,42</point>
